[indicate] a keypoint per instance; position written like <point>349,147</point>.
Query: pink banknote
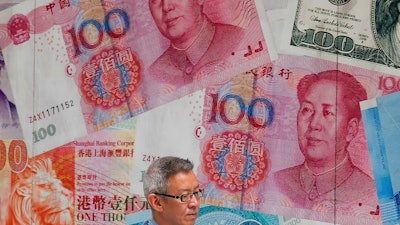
<point>86,181</point>
<point>288,139</point>
<point>80,66</point>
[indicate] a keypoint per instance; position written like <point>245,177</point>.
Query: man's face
<point>322,123</point>
<point>177,19</point>
<point>177,212</point>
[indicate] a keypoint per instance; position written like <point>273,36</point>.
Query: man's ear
<point>352,129</point>
<point>155,202</point>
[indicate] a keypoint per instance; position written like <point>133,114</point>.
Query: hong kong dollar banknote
<point>86,181</point>
<point>381,121</point>
<point>361,33</point>
<point>76,67</point>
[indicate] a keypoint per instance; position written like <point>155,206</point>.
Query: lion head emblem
<point>38,197</point>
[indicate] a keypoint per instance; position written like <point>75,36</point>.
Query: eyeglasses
<point>185,197</point>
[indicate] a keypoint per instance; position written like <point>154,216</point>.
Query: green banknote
<point>361,33</point>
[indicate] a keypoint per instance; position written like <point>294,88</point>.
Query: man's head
<point>178,20</point>
<point>165,178</point>
<point>329,114</point>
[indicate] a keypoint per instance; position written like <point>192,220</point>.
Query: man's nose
<point>194,201</point>
<point>315,121</point>
<point>168,5</point>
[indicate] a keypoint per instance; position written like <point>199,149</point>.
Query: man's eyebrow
<point>326,105</point>
<point>305,101</point>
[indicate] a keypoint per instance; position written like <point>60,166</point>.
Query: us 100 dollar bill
<point>360,33</point>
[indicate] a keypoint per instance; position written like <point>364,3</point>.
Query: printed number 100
<point>326,40</point>
<point>17,155</point>
<point>42,133</point>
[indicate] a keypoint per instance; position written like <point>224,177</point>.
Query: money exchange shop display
<point>101,88</point>
<point>76,67</point>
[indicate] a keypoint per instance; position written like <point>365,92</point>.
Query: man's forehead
<point>183,180</point>
<point>327,88</point>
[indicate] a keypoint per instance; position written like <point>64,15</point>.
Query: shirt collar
<point>201,44</point>
<point>317,185</point>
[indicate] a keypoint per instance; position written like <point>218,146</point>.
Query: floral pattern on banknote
<point>234,161</point>
<point>110,77</point>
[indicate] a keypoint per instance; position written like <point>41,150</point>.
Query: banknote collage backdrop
<point>288,109</point>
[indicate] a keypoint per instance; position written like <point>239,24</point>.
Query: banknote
<point>256,144</point>
<point>381,121</point>
<point>76,67</point>
<point>86,181</point>
<point>220,215</point>
<point>355,32</point>
<point>214,215</point>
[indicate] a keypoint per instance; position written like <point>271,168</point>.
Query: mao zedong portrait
<point>197,44</point>
<point>327,121</point>
<point>172,191</point>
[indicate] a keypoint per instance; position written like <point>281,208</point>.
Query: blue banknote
<point>215,215</point>
<point>381,117</point>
